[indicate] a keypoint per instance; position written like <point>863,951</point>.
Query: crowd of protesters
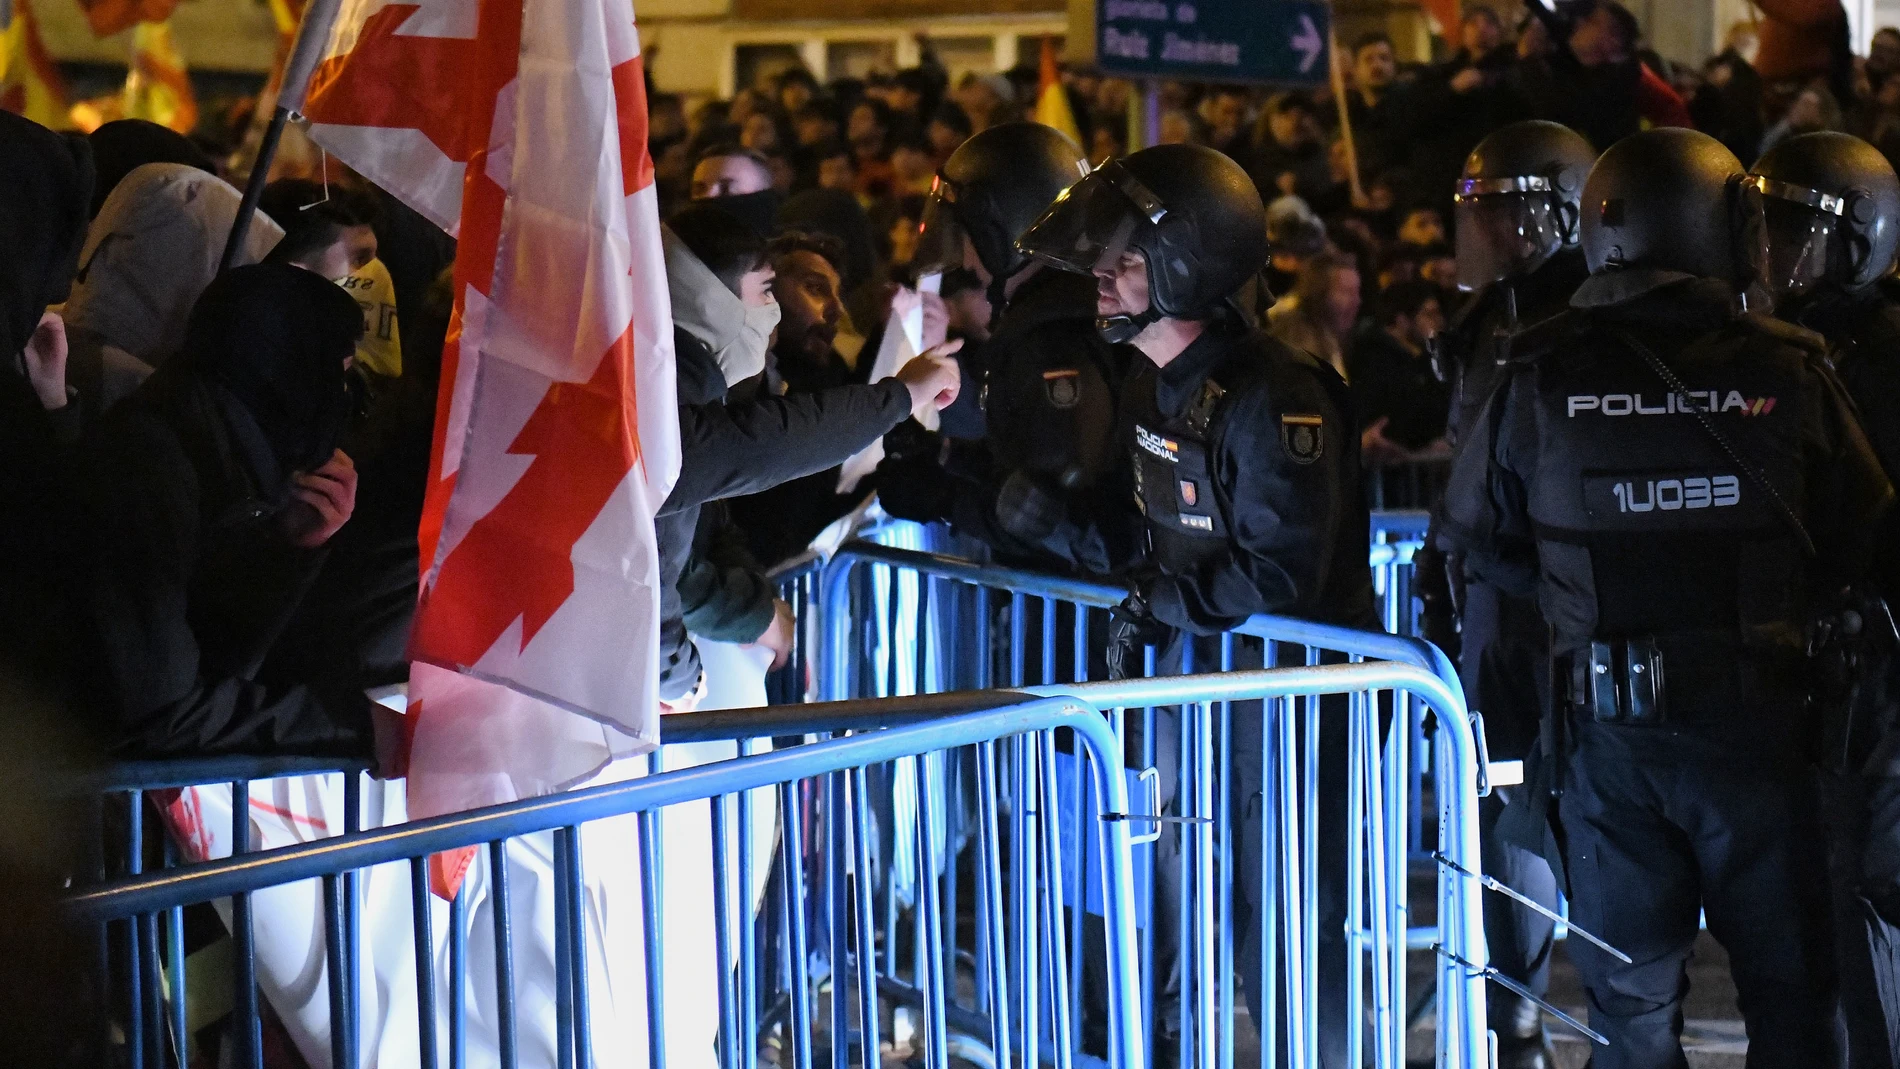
<point>1359,202</point>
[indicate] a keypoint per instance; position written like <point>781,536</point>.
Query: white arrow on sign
<point>1308,43</point>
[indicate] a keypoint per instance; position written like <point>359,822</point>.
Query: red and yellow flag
<point>157,86</point>
<point>30,84</point>
<point>1052,101</point>
<point>107,17</point>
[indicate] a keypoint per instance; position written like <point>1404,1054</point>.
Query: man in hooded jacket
<point>214,491</point>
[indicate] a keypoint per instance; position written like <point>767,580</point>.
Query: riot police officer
<point>1042,398</point>
<point>1831,203</point>
<point>1246,470</point>
<point>1519,246</point>
<point>1688,478</point>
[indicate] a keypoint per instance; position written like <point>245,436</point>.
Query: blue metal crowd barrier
<point>842,762</point>
<point>1023,965</point>
<point>899,622</point>
<point>119,792</point>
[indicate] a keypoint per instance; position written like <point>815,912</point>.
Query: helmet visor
<point>1505,234</point>
<point>1090,224</point>
<point>940,236</point>
<point>1798,244</point>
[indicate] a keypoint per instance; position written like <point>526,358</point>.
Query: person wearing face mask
<point>1832,210</point>
<point>740,180</point>
<point>737,437</point>
<point>724,313</point>
<point>216,489</point>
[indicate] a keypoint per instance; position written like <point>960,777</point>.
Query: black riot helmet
<point>1831,207</point>
<point>1517,204</point>
<point>1192,213</point>
<point>991,188</point>
<point>1676,200</point>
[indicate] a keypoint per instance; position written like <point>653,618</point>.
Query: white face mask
<point>744,356</point>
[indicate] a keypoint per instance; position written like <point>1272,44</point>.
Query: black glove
<point>1132,627</point>
<point>1438,609</point>
<point>911,483</point>
<point>1027,510</point>
<point>909,441</point>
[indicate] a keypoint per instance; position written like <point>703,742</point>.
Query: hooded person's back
<point>151,251</point>
<point>45,179</point>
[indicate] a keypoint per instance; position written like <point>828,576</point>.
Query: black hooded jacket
<point>45,179</point>
<point>195,582</point>
<point>745,447</point>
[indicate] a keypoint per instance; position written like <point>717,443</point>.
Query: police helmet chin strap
<point>1122,329</point>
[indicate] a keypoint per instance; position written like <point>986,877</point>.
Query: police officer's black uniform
<point>1671,464</point>
<point>1519,235</point>
<point>1246,468</point>
<point>1832,204</point>
<point>1037,430</point>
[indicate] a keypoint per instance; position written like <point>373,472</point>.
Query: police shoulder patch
<point>1064,387</point>
<point>1303,436</point>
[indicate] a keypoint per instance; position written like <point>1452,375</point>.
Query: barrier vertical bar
<point>504,952</point>
<point>653,920</point>
<point>1062,1032</point>
<point>990,873</point>
<point>352,923</point>
<point>1355,897</point>
<point>837,909</point>
<point>250,1026</point>
<point>563,963</point>
<point>1309,885</point>
<point>795,904</point>
<point>936,1030</point>
<point>748,1035</point>
<point>722,934</point>
<point>1206,988</point>
<point>421,926</point>
<point>1291,856</point>
<point>867,950</point>
<point>1224,820</point>
<point>577,956</point>
<point>458,973</point>
<point>135,1039</point>
<point>1273,713</point>
<point>175,968</point>
<point>336,962</point>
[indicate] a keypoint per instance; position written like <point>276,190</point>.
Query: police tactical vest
<point>1174,478</point>
<point>1646,527</point>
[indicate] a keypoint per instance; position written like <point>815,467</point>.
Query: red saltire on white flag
<point>520,127</point>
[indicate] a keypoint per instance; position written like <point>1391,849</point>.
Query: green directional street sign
<point>1277,41</point>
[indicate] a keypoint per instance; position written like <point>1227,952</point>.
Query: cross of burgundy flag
<point>520,126</point>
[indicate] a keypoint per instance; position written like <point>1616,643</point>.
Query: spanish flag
<point>1052,102</point>
<point>30,84</point>
<point>157,88</point>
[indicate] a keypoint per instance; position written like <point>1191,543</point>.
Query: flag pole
<point>1337,72</point>
<point>313,35</point>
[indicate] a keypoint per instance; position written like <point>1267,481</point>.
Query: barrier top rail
<point>864,714</point>
<point>1380,645</point>
<point>1405,523</point>
<point>161,774</point>
<point>206,881</point>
